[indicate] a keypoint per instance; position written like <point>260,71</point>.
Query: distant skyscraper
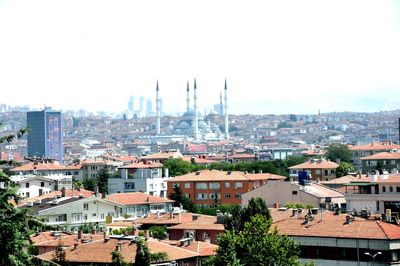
<point>149,107</point>
<point>131,104</point>
<point>45,134</point>
<point>141,105</point>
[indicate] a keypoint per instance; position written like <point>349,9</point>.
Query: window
<point>214,185</point>
<point>206,235</point>
<point>187,185</point>
<point>215,196</point>
<point>110,214</point>
<point>85,217</point>
<point>202,196</point>
<point>326,172</point>
<point>102,216</point>
<point>86,206</point>
<point>227,185</point>
<point>201,185</point>
<point>318,172</point>
<point>332,172</point>
<point>42,184</point>
<point>397,189</point>
<point>187,195</point>
<point>76,217</point>
<point>383,189</point>
<point>129,185</point>
<point>227,195</point>
<point>294,192</point>
<point>131,210</point>
<point>93,214</point>
<point>392,162</point>
<point>27,185</point>
<point>391,189</point>
<point>238,196</point>
<point>238,185</point>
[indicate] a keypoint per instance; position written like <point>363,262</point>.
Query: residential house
<point>140,177</point>
<point>137,204</point>
<point>278,193</point>
<point>214,187</point>
<point>318,169</point>
<point>37,185</point>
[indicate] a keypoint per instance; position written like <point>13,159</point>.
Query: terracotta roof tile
<point>134,198</point>
<point>38,167</point>
<point>216,175</point>
<point>383,156</point>
<point>375,146</point>
<point>316,164</point>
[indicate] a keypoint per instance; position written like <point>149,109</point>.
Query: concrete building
<point>318,169</point>
<point>37,185</point>
<point>378,194</point>
<point>214,187</point>
<point>140,177</point>
<point>280,193</point>
<point>45,134</point>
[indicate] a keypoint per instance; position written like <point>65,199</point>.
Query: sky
<point>278,57</point>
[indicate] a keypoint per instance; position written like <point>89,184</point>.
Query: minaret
<point>158,109</point>
<point>196,116</point>
<point>226,112</point>
<point>187,98</point>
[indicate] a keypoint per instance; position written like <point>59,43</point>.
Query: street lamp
<point>373,256</point>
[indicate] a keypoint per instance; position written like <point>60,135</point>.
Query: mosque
<point>193,124</point>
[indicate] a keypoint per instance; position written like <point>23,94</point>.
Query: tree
<point>15,224</point>
<point>344,169</point>
<point>103,175</point>
<point>339,152</point>
<point>142,257</point>
<point>256,244</point>
<point>89,183</point>
<point>179,199</point>
<point>240,215</point>
<point>117,259</point>
<point>59,255</point>
<point>177,167</point>
<point>158,257</point>
<point>159,232</point>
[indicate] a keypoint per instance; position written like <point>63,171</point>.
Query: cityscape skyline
<point>309,57</point>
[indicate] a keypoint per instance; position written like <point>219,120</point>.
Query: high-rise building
<point>149,107</point>
<point>45,134</point>
<point>141,106</point>
<point>131,104</point>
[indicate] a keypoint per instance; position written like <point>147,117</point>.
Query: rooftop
<point>316,164</point>
<point>134,198</point>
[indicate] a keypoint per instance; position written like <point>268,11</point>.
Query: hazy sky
<point>277,56</point>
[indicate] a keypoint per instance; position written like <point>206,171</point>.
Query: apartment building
<point>372,148</point>
<point>214,187</point>
<point>318,169</point>
<point>388,161</point>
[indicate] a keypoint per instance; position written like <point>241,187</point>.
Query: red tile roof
<point>333,226</point>
<point>141,165</point>
<point>216,175</point>
<point>384,146</point>
<point>100,251</point>
<point>383,156</point>
<point>38,167</point>
<point>316,164</point>
<point>134,198</point>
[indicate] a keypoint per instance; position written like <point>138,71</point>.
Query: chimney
<point>118,247</point>
<point>76,245</point>
<point>96,191</point>
<point>148,199</point>
<point>63,192</point>
<point>79,234</point>
<point>146,234</point>
<point>226,112</point>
